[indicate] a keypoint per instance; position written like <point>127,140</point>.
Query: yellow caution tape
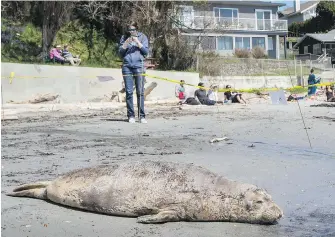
<point>11,77</point>
<point>242,90</point>
<point>251,90</point>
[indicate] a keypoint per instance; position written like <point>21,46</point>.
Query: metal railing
<point>247,24</point>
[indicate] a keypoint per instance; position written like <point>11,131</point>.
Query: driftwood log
<point>39,98</point>
<point>147,91</point>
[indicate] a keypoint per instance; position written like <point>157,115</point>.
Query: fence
<point>230,66</point>
<point>248,72</point>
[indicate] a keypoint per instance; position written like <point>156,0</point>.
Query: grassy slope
<point>25,45</point>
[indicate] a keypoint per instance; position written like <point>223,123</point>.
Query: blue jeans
<point>131,75</point>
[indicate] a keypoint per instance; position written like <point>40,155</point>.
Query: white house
<point>300,12</point>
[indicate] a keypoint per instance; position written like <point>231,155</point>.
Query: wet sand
<point>267,147</point>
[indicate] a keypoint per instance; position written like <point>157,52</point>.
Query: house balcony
<point>235,24</point>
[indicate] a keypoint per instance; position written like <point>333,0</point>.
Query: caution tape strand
<point>250,90</point>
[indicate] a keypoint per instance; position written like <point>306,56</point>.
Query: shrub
<point>258,52</point>
<point>242,53</point>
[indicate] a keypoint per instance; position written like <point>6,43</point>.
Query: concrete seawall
<point>246,82</point>
<point>78,84</point>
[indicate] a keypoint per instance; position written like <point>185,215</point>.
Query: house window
<point>316,48</point>
<point>226,16</point>
<point>208,43</point>
<point>258,41</point>
<point>310,13</point>
<point>305,49</point>
<point>263,19</point>
<point>242,42</point>
<point>231,13</point>
<point>225,43</point>
<point>270,43</point>
<point>186,15</point>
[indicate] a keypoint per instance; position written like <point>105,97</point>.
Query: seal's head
<point>260,208</point>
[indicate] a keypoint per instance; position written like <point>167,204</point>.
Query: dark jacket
<point>134,56</point>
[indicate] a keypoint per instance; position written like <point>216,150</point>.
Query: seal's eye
<point>260,201</point>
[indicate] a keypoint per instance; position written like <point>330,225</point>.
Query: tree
<point>107,20</point>
<point>55,15</point>
<point>323,22</point>
<point>326,11</point>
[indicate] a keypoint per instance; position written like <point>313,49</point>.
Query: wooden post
<point>197,63</point>
<point>301,74</point>
<point>295,66</point>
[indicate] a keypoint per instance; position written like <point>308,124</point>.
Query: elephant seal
<point>157,192</point>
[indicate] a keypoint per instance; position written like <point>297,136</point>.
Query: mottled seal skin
<point>157,192</point>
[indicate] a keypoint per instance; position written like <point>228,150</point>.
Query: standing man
<point>312,80</point>
<point>133,49</point>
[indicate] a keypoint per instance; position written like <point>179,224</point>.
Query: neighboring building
<point>316,44</point>
<point>224,26</point>
<point>300,12</point>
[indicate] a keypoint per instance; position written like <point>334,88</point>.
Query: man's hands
<point>126,43</point>
<point>132,39</point>
<point>135,39</point>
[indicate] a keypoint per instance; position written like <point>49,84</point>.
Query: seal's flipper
<point>32,186</point>
<point>34,190</point>
<point>161,217</point>
<point>39,193</point>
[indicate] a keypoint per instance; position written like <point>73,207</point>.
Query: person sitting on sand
<point>234,97</point>
<point>202,96</point>
<point>212,93</point>
<point>330,94</point>
<point>180,92</point>
<point>295,97</point>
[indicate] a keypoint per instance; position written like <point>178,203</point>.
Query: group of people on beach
<point>206,96</point>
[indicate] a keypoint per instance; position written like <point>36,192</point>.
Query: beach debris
<point>218,139</point>
<point>148,90</point>
<point>39,98</point>
<point>9,117</point>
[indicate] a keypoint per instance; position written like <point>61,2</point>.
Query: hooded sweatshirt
<point>133,56</point>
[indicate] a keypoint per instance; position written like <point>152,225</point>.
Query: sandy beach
<point>267,146</point>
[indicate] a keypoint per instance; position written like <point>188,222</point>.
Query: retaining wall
<point>78,84</point>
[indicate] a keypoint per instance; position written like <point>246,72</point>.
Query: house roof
<point>303,7</point>
<point>324,38</point>
<point>251,3</point>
